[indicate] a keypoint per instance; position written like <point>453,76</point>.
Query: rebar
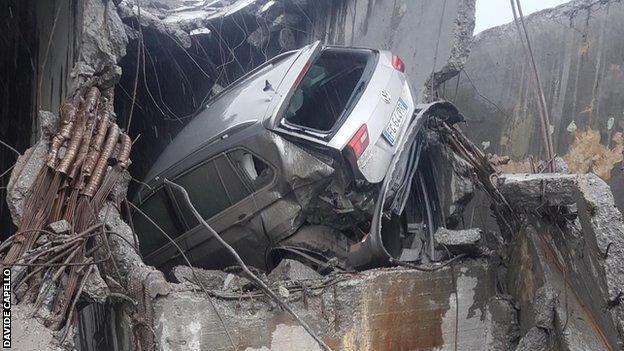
<point>68,117</point>
<point>73,185</point>
<point>100,167</point>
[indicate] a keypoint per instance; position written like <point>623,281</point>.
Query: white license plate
<point>393,127</point>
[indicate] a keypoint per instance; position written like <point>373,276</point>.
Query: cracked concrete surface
<point>382,309</point>
<point>564,245</point>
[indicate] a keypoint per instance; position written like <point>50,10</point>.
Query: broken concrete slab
<point>540,259</point>
<point>602,225</point>
<point>573,256</point>
<point>384,309</point>
<point>95,288</point>
<point>234,282</point>
<point>459,241</point>
<point>536,339</point>
<point>150,19</point>
<point>527,192</point>
<point>546,301</point>
<point>60,227</point>
<point>503,331</point>
<point>210,279</point>
<point>103,41</point>
<point>29,333</point>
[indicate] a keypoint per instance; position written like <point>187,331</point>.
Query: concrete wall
<point>38,48</point>
<point>580,56</point>
<point>451,309</point>
<point>58,33</point>
<point>577,256</point>
<point>430,36</point>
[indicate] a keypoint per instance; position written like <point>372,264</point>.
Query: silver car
<point>311,155</point>
<point>349,100</point>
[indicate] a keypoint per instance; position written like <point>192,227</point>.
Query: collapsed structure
<point>576,47</point>
<point>549,276</point>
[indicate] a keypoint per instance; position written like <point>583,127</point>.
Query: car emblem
<point>385,96</point>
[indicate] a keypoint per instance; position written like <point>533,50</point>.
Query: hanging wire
<point>541,100</point>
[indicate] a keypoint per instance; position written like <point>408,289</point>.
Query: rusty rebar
<point>90,137</point>
<point>96,145</point>
<point>541,100</point>
<point>100,168</point>
<point>68,117</point>
<point>124,151</point>
<point>84,145</point>
<point>74,142</point>
<point>85,110</point>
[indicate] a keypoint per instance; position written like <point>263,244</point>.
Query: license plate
<point>393,127</point>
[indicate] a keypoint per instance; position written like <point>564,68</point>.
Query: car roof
<point>243,102</point>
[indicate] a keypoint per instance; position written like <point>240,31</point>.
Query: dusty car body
<point>312,155</point>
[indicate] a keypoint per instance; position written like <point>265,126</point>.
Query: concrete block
<point>383,309</point>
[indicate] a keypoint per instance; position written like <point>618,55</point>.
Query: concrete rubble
<point>570,243</point>
<point>459,241</point>
<point>557,284</point>
<point>291,270</point>
<point>387,309</point>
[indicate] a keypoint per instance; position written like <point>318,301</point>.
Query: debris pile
<point>571,241</point>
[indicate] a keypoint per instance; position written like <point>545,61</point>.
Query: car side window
<point>159,209</point>
<point>254,170</point>
<point>212,187</point>
<point>222,182</point>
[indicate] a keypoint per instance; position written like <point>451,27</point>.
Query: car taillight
<point>398,64</point>
<point>359,142</point>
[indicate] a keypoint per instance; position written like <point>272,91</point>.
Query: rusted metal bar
<point>96,145</point>
<point>100,168</point>
<point>68,117</point>
<point>90,137</point>
<point>541,100</point>
<point>124,151</point>
<point>86,108</point>
<point>84,145</point>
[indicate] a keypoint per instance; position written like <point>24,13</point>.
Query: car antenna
<point>268,87</point>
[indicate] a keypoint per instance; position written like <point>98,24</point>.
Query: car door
<point>228,191</point>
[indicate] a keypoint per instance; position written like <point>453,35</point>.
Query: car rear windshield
<point>330,88</point>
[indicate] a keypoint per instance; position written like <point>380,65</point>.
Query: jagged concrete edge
<point>570,9</point>
<point>461,41</point>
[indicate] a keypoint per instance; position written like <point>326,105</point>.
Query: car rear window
<point>332,84</point>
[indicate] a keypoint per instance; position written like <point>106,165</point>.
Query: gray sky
<point>491,13</point>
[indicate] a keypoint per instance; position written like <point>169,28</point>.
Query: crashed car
<point>315,155</point>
